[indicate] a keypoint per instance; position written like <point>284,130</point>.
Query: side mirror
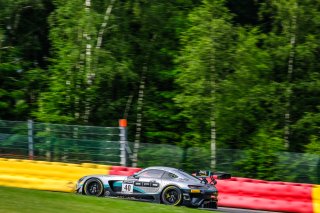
<point>135,175</point>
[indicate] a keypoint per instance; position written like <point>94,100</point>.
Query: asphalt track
<point>220,209</point>
<point>234,210</point>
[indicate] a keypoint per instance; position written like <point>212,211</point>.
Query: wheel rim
<point>171,196</point>
<point>94,188</point>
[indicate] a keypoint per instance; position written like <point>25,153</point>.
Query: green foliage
<point>209,36</point>
<point>23,50</point>
<point>202,59</point>
<point>303,96</point>
<point>314,146</point>
<point>261,160</point>
<point>80,76</point>
<point>159,155</point>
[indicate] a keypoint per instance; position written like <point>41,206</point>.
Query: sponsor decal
<point>146,184</point>
<point>154,184</point>
<point>138,183</point>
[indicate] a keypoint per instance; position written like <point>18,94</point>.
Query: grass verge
<point>26,200</point>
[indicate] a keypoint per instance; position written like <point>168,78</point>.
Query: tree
<point>293,45</point>
<point>249,102</point>
<point>23,53</point>
<point>261,161</point>
<point>203,62</point>
<point>84,71</point>
<point>154,48</point>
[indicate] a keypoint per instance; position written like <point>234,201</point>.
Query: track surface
<point>233,210</point>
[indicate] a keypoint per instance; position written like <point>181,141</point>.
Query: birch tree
<point>288,11</point>
<point>292,44</point>
<point>80,64</point>
<point>92,55</point>
<point>203,63</point>
<point>154,43</point>
<point>62,102</point>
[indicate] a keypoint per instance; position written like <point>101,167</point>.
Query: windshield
<point>188,176</point>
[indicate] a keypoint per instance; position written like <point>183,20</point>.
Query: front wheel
<point>171,196</point>
<point>93,187</point>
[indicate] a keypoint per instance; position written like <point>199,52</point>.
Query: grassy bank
<point>25,200</point>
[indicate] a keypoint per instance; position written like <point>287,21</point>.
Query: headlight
<point>81,179</point>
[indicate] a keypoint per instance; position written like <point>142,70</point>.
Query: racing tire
<point>211,205</point>
<point>93,187</point>
<point>171,195</point>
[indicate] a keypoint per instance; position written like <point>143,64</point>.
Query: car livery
<point>166,185</point>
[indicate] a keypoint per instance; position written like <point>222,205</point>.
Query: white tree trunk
<point>213,143</point>
<point>128,105</point>
<point>212,114</point>
<point>89,77</point>
<point>104,24</point>
<point>91,74</point>
<point>88,69</point>
<point>48,144</point>
<point>292,32</point>
<point>139,117</point>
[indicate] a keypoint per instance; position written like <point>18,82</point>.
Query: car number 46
<point>127,188</point>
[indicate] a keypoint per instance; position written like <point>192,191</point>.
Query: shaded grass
<point>26,200</point>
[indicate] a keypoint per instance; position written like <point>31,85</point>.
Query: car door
<point>146,182</point>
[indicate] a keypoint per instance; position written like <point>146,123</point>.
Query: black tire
<point>214,205</point>
<point>93,187</point>
<point>171,195</point>
<point>211,205</point>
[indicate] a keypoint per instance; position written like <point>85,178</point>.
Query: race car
<point>165,185</point>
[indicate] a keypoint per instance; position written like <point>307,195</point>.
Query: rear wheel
<point>93,187</point>
<point>171,195</point>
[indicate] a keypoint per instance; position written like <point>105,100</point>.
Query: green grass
<point>25,200</point>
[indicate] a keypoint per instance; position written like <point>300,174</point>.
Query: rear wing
<point>204,174</point>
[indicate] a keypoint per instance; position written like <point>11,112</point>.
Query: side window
<point>169,175</point>
<point>152,173</point>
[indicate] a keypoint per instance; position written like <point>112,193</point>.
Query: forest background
<point>230,74</point>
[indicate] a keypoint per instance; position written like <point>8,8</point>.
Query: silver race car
<point>157,184</point>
